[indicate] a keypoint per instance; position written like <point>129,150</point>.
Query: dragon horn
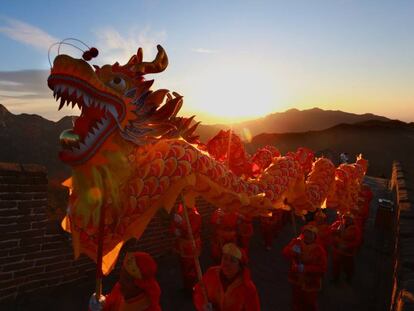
<point>157,65</point>
<point>139,55</point>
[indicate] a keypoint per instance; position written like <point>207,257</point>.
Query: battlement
<point>35,253</point>
<point>403,292</point>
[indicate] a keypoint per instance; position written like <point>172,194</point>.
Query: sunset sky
<point>232,60</point>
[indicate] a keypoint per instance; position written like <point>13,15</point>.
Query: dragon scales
<point>130,152</point>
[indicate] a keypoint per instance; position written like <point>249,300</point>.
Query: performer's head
<point>137,271</point>
<point>309,233</point>
<point>233,260</point>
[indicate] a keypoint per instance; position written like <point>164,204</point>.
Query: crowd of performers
<point>227,285</point>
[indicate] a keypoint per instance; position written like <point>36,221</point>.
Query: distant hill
<point>29,138</point>
<point>291,121</point>
<point>380,142</point>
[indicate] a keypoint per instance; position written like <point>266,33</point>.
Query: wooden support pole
<point>194,247</point>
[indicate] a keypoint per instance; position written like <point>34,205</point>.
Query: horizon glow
<point>232,61</point>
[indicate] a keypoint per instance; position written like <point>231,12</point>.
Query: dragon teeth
<point>82,146</point>
<point>62,103</point>
<point>70,90</point>
<point>89,139</point>
<point>113,111</point>
<point>86,100</point>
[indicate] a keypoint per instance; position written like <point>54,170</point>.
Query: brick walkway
<point>369,290</point>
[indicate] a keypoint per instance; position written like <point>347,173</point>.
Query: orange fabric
<point>315,262</point>
<point>116,302</point>
<point>239,295</point>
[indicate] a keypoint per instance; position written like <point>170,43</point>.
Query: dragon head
<point>115,101</point>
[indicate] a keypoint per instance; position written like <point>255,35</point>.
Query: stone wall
<point>35,253</point>
<point>403,292</point>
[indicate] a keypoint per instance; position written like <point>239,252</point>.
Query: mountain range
<point>381,142</point>
<point>27,138</point>
<point>290,121</point>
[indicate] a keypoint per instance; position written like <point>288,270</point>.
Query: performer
<point>308,264</point>
<point>346,240</point>
<point>245,231</point>
<point>228,286</point>
<point>183,244</point>
<point>324,229</point>
<point>224,227</point>
<point>137,288</point>
<point>270,227</point>
<point>364,200</point>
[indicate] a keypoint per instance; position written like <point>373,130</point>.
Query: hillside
<point>32,139</point>
<point>291,121</point>
<point>380,142</point>
<point>28,138</point>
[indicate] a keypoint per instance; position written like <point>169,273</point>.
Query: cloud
<point>204,51</point>
<point>9,83</point>
<point>24,84</point>
<point>27,34</point>
<point>117,47</point>
<point>26,91</point>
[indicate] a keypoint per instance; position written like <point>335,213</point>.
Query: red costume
<point>245,231</point>
<point>270,227</point>
<point>324,236</point>
<point>308,264</point>
<point>237,294</point>
<point>116,302</point>
<point>184,244</point>
<point>346,240</point>
<point>140,269</point>
<point>224,231</point>
<point>364,200</point>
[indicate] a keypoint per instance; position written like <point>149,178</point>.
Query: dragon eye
<point>117,83</point>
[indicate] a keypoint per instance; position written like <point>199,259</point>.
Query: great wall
<point>36,255</point>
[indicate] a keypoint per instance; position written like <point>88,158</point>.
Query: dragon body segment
<point>132,155</point>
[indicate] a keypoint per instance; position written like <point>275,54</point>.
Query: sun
<point>232,91</point>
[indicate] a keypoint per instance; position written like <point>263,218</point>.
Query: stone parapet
<point>403,293</point>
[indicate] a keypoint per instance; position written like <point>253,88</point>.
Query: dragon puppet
<point>131,155</point>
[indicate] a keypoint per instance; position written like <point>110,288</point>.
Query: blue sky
<point>232,60</point>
